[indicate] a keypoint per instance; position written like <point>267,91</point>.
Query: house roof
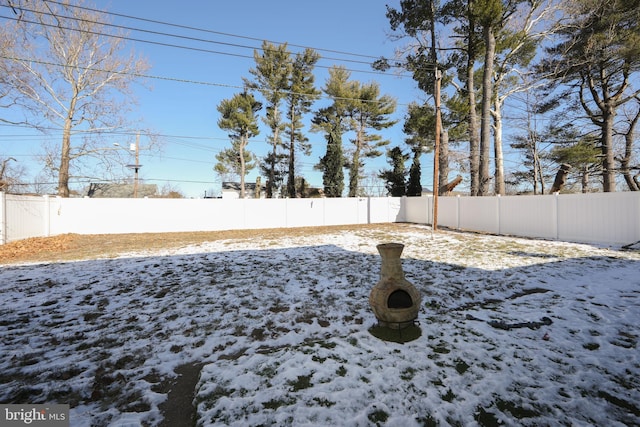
<point>106,190</point>
<point>235,186</point>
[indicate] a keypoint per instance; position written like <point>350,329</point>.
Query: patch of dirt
<point>178,410</point>
<point>74,247</point>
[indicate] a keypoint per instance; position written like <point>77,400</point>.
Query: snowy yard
<point>281,330</point>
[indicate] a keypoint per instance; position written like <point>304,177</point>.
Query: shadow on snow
<point>109,333</point>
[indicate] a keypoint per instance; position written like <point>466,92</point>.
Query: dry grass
<point>71,247</point>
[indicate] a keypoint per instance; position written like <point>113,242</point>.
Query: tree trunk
<point>272,166</point>
<point>561,178</point>
<point>65,159</point>
<point>271,176</point>
<point>449,186</point>
<point>474,141</point>
<point>257,192</point>
<point>608,165</point>
<point>291,176</point>
<point>243,143</point>
<point>485,120</point>
<point>497,145</point>
<point>625,162</point>
<point>585,180</point>
<point>538,175</point>
<point>65,154</point>
<point>354,170</point>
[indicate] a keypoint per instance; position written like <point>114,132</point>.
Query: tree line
<point>571,67</point>
<point>286,83</point>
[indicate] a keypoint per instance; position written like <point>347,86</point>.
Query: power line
<point>131,132</point>
<point>209,31</point>
<point>179,80</point>
<point>171,45</point>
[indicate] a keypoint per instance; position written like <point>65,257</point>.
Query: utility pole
<point>135,180</point>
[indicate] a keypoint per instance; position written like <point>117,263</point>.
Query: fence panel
<point>479,214</point>
<point>448,212</point>
<point>528,216</point>
<point>258,213</point>
<point>386,209</point>
<point>418,210</point>
<point>24,217</point>
<point>605,218</point>
<point>303,212</point>
<point>338,211</point>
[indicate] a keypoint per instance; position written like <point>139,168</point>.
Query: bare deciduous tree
<point>79,79</point>
<point>9,97</point>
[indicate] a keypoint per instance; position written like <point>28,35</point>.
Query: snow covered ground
<point>281,327</point>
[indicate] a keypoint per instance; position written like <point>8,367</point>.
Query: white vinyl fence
<point>26,216</point>
<point>602,218</point>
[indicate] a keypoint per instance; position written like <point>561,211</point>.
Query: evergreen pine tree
<point>395,178</point>
<point>271,79</point>
<point>332,164</point>
<point>414,187</point>
<point>333,121</point>
<point>238,117</point>
<point>419,126</point>
<point>302,94</point>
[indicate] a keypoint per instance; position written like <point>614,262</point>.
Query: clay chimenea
<point>394,300</point>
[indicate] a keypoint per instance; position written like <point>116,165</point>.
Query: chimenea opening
<point>399,299</point>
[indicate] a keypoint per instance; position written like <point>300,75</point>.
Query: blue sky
<point>185,111</point>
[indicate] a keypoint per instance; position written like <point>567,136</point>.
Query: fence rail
<point>602,218</point>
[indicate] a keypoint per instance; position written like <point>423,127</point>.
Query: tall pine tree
<point>271,79</point>
<point>238,117</point>
<point>332,121</point>
<point>419,126</point>
<point>395,178</point>
<point>301,96</point>
<point>369,111</point>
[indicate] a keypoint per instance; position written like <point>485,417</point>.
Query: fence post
<point>3,217</point>
<point>556,206</point>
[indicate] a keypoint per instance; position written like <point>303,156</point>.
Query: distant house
<point>231,190</point>
<point>314,192</point>
<point>109,190</point>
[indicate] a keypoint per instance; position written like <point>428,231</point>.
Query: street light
<point>136,167</point>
